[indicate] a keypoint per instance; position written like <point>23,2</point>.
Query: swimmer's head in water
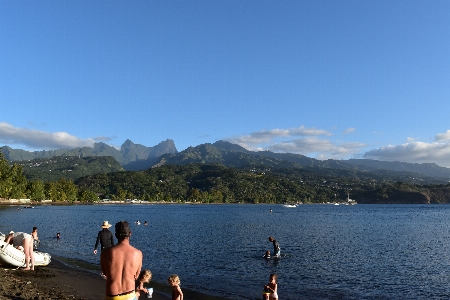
<point>122,230</point>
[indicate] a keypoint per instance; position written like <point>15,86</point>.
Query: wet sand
<point>55,281</point>
<point>62,282</point>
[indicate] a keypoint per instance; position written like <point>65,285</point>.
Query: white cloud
<point>267,136</point>
<point>36,139</point>
<point>282,140</point>
<point>414,152</point>
<point>102,139</point>
<point>349,130</point>
<point>322,149</point>
<point>443,136</point>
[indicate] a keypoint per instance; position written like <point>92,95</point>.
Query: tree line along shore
<point>213,183</point>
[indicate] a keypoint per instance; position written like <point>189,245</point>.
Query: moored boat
<point>9,255</point>
<point>350,201</point>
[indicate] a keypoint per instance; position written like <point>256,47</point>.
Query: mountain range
<point>131,156</point>
<point>138,157</point>
<point>232,155</point>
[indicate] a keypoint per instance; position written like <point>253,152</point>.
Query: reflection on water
<point>328,252</point>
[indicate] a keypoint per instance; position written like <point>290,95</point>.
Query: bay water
<point>327,251</point>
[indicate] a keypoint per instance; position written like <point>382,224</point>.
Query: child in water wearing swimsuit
<point>144,277</point>
<point>174,281</point>
<point>272,287</point>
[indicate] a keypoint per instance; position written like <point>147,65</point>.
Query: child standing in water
<point>174,281</point>
<point>272,287</point>
<point>144,277</point>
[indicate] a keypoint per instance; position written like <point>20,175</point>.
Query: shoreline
<point>58,280</point>
<point>64,279</point>
<point>40,203</point>
<point>79,279</point>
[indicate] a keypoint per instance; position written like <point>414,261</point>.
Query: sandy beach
<point>55,281</point>
<point>62,282</point>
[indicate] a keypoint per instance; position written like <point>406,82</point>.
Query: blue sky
<point>326,79</point>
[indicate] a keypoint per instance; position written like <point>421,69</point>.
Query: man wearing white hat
<point>104,237</point>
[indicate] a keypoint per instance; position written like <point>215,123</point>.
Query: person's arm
<point>96,243</point>
<point>112,240</point>
<point>138,271</point>
<point>8,239</point>
<point>103,262</point>
<point>139,259</point>
<point>180,293</point>
<point>141,287</point>
<point>267,287</point>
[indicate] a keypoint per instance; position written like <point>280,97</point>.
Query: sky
<point>326,79</point>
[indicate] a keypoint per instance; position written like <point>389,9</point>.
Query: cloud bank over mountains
<point>312,142</point>
<point>308,141</point>
<point>437,152</point>
<point>299,140</point>
<point>41,140</point>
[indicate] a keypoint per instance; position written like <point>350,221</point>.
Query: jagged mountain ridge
<point>226,153</point>
<point>138,157</point>
<point>424,169</point>
<point>131,156</point>
<point>209,154</point>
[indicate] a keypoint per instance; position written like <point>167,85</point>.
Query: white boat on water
<point>350,201</point>
<point>289,205</point>
<point>9,255</point>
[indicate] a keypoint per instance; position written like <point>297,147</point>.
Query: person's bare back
<point>121,264</point>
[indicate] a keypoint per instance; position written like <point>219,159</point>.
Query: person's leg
<point>26,250</point>
<point>29,254</point>
<point>32,252</point>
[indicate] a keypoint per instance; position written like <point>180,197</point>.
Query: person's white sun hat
<point>106,224</point>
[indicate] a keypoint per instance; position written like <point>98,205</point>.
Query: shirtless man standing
<point>121,265</point>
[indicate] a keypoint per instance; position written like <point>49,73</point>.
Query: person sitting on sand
<point>24,240</point>
<point>144,277</point>
<point>121,265</point>
<point>174,282</point>
<point>272,287</point>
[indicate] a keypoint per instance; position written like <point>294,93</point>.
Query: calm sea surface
<point>328,252</point>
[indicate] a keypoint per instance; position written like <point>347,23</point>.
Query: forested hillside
<point>69,167</point>
<point>234,156</point>
<point>252,179</point>
<point>257,184</point>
